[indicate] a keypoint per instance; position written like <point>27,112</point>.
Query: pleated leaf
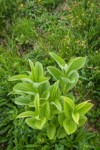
<point>38,71</point>
<point>57,104</point>
<point>75,117</point>
<point>45,111</point>
<point>51,130</point>
<point>26,114</point>
<point>35,124</point>
<point>58,59</point>
<point>82,120</point>
<point>55,72</point>
<point>37,103</point>
<point>22,100</point>
<point>61,118</point>
<point>24,88</point>
<point>68,106</point>
<point>83,108</point>
<point>76,63</point>
<point>70,126</point>
<point>18,77</point>
<point>54,91</point>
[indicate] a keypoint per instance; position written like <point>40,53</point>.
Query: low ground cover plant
<point>48,103</point>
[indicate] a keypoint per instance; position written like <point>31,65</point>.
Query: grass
<point>30,30</point>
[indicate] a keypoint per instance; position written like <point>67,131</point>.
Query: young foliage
<point>67,74</point>
<point>48,108</point>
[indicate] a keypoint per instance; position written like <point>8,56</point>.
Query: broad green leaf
<point>82,120</point>
<point>81,105</point>
<point>35,124</point>
<point>76,63</point>
<point>18,77</point>
<point>58,59</point>
<point>36,85</point>
<point>26,114</point>
<point>61,133</point>
<point>75,117</point>
<point>32,77</point>
<point>71,80</point>
<point>45,111</point>
<point>54,91</point>
<point>37,103</point>
<point>31,122</point>
<point>27,80</point>
<point>38,71</point>
<point>44,90</point>
<point>70,126</point>
<point>83,108</point>
<point>69,101</point>
<point>73,77</point>
<point>55,72</point>
<point>61,118</point>
<point>31,65</point>
<point>68,106</point>
<point>57,104</point>
<point>51,130</point>
<point>40,123</point>
<point>45,95</point>
<point>43,79</point>
<point>43,87</point>
<point>25,88</point>
<point>22,100</point>
<point>66,68</point>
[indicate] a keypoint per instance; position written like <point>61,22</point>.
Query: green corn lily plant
<point>46,105</point>
<point>67,74</point>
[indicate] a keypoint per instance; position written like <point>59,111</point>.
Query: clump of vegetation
<point>30,30</point>
<point>48,107</point>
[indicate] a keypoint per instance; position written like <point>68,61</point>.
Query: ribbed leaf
<point>55,72</point>
<point>73,77</point>
<point>45,111</point>
<point>26,114</point>
<point>61,118</point>
<point>37,103</point>
<point>22,100</point>
<point>54,91</point>
<point>75,117</point>
<point>58,59</point>
<point>51,130</point>
<point>18,77</point>
<point>38,72</point>
<point>70,126</point>
<point>57,104</point>
<point>32,77</point>
<point>24,88</point>
<point>71,80</point>
<point>43,79</point>
<point>83,108</point>
<point>82,120</point>
<point>76,63</point>
<point>68,106</point>
<point>35,124</point>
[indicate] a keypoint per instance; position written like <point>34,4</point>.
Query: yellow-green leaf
<point>75,117</point>
<point>70,126</point>
<point>51,130</point>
